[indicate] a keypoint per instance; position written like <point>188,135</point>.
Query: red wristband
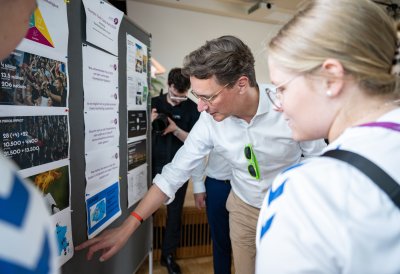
<point>137,216</point>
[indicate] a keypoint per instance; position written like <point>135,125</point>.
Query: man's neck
<point>169,101</point>
<point>250,104</point>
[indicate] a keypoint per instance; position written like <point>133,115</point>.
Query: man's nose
<point>201,106</point>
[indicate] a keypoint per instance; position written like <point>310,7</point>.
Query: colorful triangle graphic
<point>38,30</point>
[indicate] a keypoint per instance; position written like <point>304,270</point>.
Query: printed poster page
<point>100,80</point>
<point>102,208</point>
<point>136,57</point>
<point>137,184</point>
<point>136,154</point>
<point>63,229</point>
<point>137,124</point>
<point>102,167</point>
<point>48,31</point>
<point>137,74</point>
<point>137,92</point>
<point>102,189</point>
<point>102,24</point>
<point>32,80</point>
<point>33,141</point>
<point>101,130</point>
<point>54,183</point>
<point>137,170</point>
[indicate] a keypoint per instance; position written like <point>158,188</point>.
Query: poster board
<point>129,258</point>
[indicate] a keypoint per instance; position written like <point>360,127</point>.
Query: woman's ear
<point>334,76</point>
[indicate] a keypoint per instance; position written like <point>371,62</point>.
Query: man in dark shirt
<point>173,116</point>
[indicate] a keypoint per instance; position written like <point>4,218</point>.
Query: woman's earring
<point>328,93</point>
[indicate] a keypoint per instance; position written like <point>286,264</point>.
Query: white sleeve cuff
<point>199,187</point>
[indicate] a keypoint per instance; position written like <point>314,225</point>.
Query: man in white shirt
<point>238,122</point>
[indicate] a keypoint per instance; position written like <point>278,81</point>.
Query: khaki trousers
<point>242,224</point>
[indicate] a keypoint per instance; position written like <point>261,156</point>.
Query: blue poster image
<point>97,212</point>
<point>102,209</point>
<point>63,244</point>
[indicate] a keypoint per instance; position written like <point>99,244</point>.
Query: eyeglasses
<point>173,96</point>
<point>275,93</point>
<point>208,99</point>
<point>253,169</point>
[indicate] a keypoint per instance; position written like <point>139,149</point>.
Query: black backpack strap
<point>374,172</point>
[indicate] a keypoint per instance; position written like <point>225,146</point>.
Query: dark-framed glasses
<point>252,167</point>
<point>208,99</point>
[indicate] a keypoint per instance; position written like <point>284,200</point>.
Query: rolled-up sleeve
<point>197,146</point>
<point>198,177</point>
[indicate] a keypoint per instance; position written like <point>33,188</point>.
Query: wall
<point>177,32</point>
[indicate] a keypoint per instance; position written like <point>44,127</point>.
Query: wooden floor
<point>199,265</point>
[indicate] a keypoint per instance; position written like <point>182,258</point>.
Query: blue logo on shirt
<point>17,201</point>
<point>266,226</point>
<point>42,267</point>
<point>292,167</point>
<point>273,195</point>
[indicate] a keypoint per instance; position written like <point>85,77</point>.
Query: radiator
<point>195,233</point>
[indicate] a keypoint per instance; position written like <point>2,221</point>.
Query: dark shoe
<point>172,266</point>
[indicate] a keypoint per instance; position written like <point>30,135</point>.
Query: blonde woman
<point>331,66</point>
